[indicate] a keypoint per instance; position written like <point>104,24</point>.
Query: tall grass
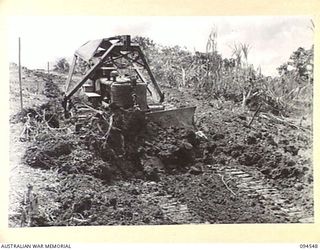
<point>233,78</point>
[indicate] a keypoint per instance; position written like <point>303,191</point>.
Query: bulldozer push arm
<point>121,48</point>
<point>107,58</point>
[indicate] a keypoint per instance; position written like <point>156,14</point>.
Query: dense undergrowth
<point>234,78</point>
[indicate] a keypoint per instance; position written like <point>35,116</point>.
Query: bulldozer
<point>117,73</point>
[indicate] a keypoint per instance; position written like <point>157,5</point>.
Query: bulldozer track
<point>271,197</point>
<point>175,210</point>
<point>172,209</point>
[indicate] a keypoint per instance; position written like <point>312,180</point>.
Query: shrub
<point>61,65</point>
<point>232,78</point>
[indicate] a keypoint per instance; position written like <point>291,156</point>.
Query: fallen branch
<point>227,185</point>
<point>99,127</point>
<point>109,128</point>
<point>93,109</point>
<point>277,119</point>
<point>79,220</point>
<point>254,115</point>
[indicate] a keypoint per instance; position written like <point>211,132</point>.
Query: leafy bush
<point>61,65</point>
<point>232,78</point>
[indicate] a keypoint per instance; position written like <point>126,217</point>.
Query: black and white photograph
<point>149,120</point>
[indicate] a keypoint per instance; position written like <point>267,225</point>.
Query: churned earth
<point>114,167</point>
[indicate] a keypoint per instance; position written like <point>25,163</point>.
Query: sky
<point>272,39</point>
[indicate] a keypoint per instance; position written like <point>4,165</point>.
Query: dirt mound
<point>269,148</point>
<point>81,204</point>
<point>112,145</point>
<point>116,144</point>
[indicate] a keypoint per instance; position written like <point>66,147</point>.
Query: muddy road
<point>72,171</point>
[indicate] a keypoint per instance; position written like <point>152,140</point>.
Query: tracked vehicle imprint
<point>269,196</point>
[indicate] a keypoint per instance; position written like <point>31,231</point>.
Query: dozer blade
<point>179,117</point>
